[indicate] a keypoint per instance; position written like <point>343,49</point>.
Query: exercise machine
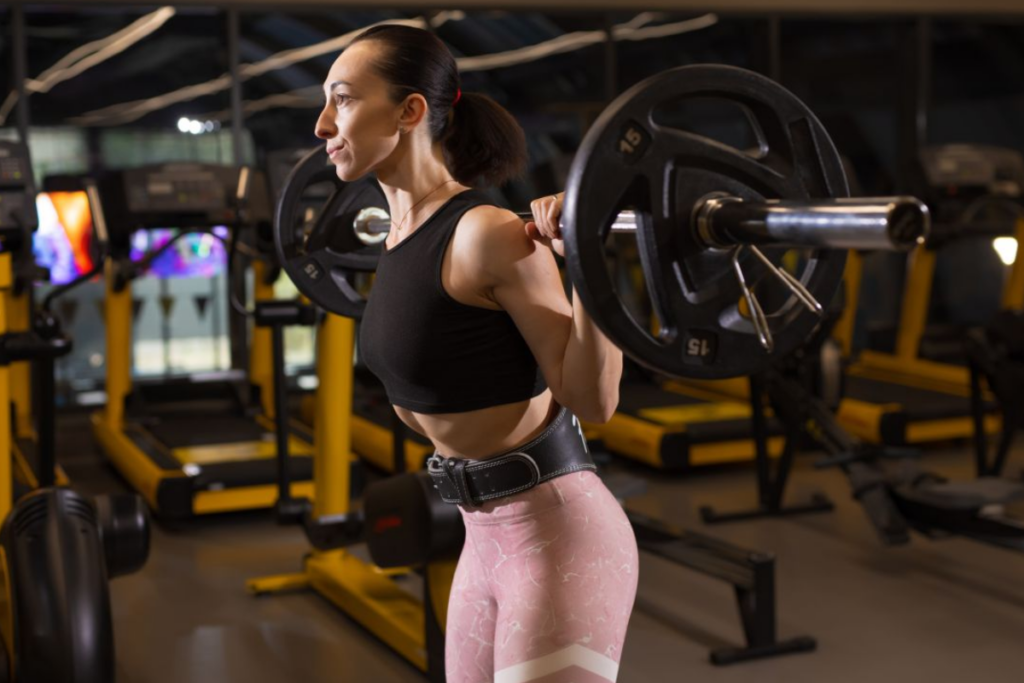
<point>975,192</point>
<point>897,494</point>
<point>58,549</point>
<point>194,445</point>
<point>907,397</point>
<point>995,356</point>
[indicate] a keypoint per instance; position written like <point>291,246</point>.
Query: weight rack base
<point>734,655</point>
<point>817,503</point>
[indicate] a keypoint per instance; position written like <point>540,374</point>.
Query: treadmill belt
<point>644,396</point>
<point>204,430</point>
<point>916,403</point>
<point>705,421</point>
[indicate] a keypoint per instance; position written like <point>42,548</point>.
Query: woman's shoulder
<point>493,226</point>
<point>490,234</point>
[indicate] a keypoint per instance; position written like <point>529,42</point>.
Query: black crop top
<point>433,353</point>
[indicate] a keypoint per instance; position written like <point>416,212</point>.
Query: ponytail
<point>483,141</point>
<point>480,139</point>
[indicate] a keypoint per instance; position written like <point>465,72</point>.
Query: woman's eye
<point>341,99</point>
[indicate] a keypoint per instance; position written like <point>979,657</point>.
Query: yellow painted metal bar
<point>441,575</point>
<point>376,445</point>
<point>863,420</point>
<point>244,498</point>
<point>24,474</point>
<point>261,355</point>
<point>283,583</point>
<point>943,430</point>
<point>1013,290</point>
<point>916,372</point>
<point>635,438</point>
<point>740,450</point>
<point>712,389</point>
<point>852,278</point>
<point>694,413</point>
<point>240,451</point>
<point>373,600</point>
<point>6,461</point>
<point>19,318</point>
<point>372,442</point>
<point>332,426</point>
<point>118,314</point>
<point>917,293</point>
<point>135,466</point>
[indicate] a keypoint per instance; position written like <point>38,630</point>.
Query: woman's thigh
<point>565,582</point>
<point>470,627</point>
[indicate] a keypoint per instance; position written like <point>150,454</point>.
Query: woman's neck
<point>415,171</point>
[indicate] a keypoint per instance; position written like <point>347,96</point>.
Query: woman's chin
<point>348,174</point>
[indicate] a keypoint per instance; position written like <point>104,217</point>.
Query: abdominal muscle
<point>478,434</point>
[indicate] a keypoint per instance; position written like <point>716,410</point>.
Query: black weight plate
<point>322,261</point>
<point>627,160</point>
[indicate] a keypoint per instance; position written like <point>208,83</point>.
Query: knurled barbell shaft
<point>864,223</point>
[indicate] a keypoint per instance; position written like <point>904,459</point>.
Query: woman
<point>480,351</point>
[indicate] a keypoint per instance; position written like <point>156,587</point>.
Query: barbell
<point>712,225</point>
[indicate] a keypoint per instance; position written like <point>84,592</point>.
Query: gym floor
<point>935,611</point>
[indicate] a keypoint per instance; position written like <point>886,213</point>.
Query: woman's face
<point>359,120</point>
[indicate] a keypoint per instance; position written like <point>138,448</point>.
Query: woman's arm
<point>518,272</point>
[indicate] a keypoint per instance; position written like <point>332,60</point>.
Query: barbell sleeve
<point>890,223</point>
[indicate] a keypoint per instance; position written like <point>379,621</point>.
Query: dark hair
<point>480,138</point>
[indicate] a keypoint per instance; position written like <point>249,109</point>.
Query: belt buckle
<point>452,470</point>
<point>526,457</point>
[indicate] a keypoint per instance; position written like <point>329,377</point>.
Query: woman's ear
<point>413,112</point>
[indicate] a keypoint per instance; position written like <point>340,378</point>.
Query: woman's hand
<point>547,211</point>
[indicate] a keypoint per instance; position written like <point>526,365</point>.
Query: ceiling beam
<point>844,8</point>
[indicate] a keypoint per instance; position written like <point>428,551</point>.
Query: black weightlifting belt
<point>559,450</point>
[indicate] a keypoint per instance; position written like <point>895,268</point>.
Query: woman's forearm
<point>591,368</point>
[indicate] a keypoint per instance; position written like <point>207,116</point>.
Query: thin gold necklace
<point>398,228</point>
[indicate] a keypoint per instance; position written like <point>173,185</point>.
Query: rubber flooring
<point>933,612</point>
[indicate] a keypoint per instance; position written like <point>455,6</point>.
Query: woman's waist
<point>557,450</point>
<point>484,433</point>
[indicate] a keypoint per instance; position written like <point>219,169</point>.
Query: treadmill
<point>682,430</point>
<point>975,192</point>
<point>191,445</point>
<point>903,397</point>
<point>18,209</point>
<point>880,410</point>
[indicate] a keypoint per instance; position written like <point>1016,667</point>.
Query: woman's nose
<point>325,128</point>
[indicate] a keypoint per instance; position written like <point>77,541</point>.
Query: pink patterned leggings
<point>544,587</point>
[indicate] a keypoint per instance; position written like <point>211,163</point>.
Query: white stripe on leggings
<point>574,655</point>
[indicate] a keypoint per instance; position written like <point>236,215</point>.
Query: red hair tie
<point>458,96</point>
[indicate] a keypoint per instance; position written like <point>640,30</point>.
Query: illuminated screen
<point>195,255</point>
<point>64,239</point>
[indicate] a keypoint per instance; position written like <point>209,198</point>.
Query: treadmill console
<point>181,195</point>
<point>18,216</point>
<point>189,189</point>
<point>957,170</point>
<point>964,182</point>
